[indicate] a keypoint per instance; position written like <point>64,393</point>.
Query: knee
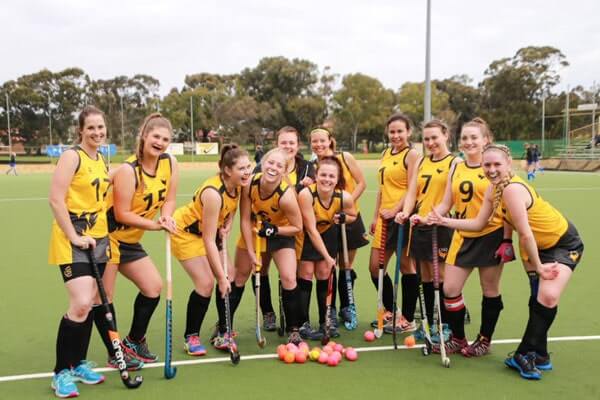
<point>79,309</point>
<point>548,298</point>
<point>451,290</point>
<point>288,282</point>
<point>154,290</point>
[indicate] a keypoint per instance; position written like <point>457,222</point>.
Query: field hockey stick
<point>169,370</point>
<point>257,252</point>
<point>233,352</point>
<point>129,381</point>
<point>380,307</point>
<point>281,329</point>
<point>397,281</point>
<point>328,300</point>
<point>353,323</point>
<point>436,286</point>
<point>426,350</point>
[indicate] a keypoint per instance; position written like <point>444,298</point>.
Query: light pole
<point>427,100</point>
<point>50,120</point>
<point>543,121</point>
<point>192,126</point>
<point>122,122</point>
<point>8,124</point>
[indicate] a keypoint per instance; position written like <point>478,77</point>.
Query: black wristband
<point>506,241</point>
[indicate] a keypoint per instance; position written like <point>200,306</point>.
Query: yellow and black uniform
<point>355,231</point>
<point>150,195</point>
<point>473,249</point>
<point>86,204</point>
<point>329,231</point>
<point>392,177</point>
<point>432,177</point>
<point>187,242</point>
<point>268,209</point>
<point>556,238</point>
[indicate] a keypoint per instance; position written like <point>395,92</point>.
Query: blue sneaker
<point>435,337</point>
<point>525,364</point>
<point>193,346</point>
<point>84,373</point>
<point>543,363</point>
<point>63,385</point>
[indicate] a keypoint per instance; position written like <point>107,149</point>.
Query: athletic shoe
<point>435,337</point>
<point>139,350</point>
<point>402,325</point>
<point>525,364</point>
<point>543,363</point>
<point>453,346</point>
<point>333,328</point>
<point>295,337</point>
<point>216,333</point>
<point>480,347</point>
<point>345,314</point>
<point>387,316</point>
<point>193,346</point>
<point>269,322</point>
<point>63,384</point>
<point>131,363</point>
<point>221,342</point>
<point>308,333</point>
<point>84,373</point>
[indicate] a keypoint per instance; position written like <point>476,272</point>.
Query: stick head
<point>235,357</point>
<point>131,382</point>
<point>170,372</point>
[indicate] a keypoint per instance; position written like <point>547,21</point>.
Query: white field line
<point>189,195</point>
<point>11,378</point>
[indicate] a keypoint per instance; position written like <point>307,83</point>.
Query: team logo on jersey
<point>574,255</point>
<point>68,272</point>
<point>84,221</point>
<point>439,170</point>
<point>395,163</point>
<point>481,176</point>
<point>164,182</point>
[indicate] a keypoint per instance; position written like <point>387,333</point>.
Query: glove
<point>505,252</point>
<point>341,217</point>
<point>267,230</point>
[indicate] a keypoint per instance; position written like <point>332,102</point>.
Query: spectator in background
<point>595,142</point>
<point>12,164</point>
<point>258,153</point>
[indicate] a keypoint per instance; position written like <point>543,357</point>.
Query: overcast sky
<point>384,39</point>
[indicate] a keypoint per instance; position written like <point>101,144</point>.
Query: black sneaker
<point>131,363</point>
<point>525,364</point>
<point>308,333</point>
<point>543,363</point>
<point>270,322</point>
<point>139,350</point>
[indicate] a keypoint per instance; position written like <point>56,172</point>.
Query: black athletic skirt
<point>356,234</point>
<point>568,250</point>
<point>421,243</point>
<point>332,240</point>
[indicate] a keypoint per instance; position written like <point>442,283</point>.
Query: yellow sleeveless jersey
<point>393,177</point>
<point>189,217</point>
<point>268,208</point>
<point>546,222</point>
<point>324,215</point>
<point>86,203</point>
<point>432,177</point>
<point>469,185</point>
<point>150,195</point>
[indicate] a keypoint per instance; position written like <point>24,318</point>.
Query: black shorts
<point>332,240</point>
<point>79,269</point>
<point>127,252</point>
<point>356,234</point>
<point>280,242</point>
<point>475,252</point>
<point>391,242</point>
<point>568,250</point>
<point>421,243</point>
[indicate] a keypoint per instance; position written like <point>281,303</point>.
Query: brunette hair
<point>86,112</point>
<point>333,160</point>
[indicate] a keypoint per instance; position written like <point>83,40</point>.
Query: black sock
<point>429,294</point>
<point>196,310</point>
<point>266,304</point>
<point>69,343</point>
<point>334,289</point>
<point>410,293</point>
<point>534,283</point>
<point>102,325</point>
<point>305,290</point>
<point>322,298</point>
<point>490,312</point>
<point>343,286</point>
<point>143,308</point>
<point>388,293</point>
<point>86,336</point>
<point>455,315</point>
<point>536,333</point>
<point>220,304</point>
<point>291,307</point>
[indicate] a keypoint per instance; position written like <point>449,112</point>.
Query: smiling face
<point>472,142</point>
<point>496,165</point>
<point>398,134</point>
<point>93,133</point>
<point>156,141</point>
<point>435,141</point>
<point>320,143</point>
<point>327,177</point>
<point>274,165</point>
<point>288,142</point>
<point>239,173</point>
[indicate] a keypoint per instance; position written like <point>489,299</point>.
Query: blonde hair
<point>499,188</point>
<point>483,127</point>
<point>329,135</point>
<point>286,165</point>
<point>151,122</point>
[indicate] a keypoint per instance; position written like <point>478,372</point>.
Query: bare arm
<point>289,205</point>
<point>447,202</point>
<point>411,193</point>
<point>349,208</point>
<point>246,223</point>
<point>124,190</point>
<point>310,224</point>
<point>171,200</point>
<point>472,224</point>
<point>63,175</point>
<point>359,177</point>
<point>211,205</point>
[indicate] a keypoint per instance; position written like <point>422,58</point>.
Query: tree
<point>361,105</point>
<point>410,102</point>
